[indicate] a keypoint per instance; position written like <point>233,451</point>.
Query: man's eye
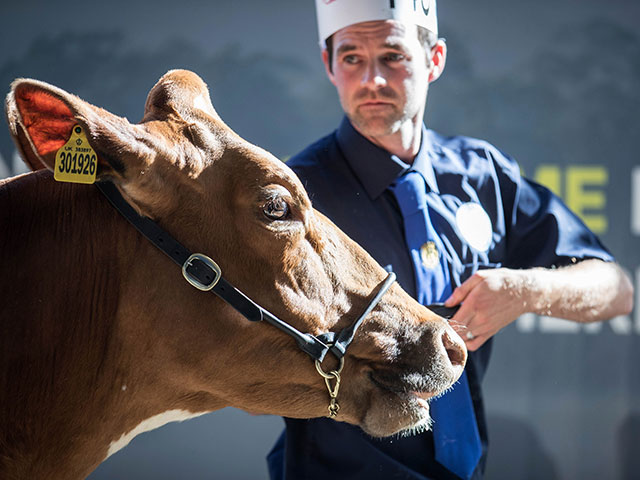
<point>394,57</point>
<point>276,209</point>
<point>351,59</point>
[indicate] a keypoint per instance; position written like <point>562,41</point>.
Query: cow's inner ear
<point>41,118</point>
<point>43,125</point>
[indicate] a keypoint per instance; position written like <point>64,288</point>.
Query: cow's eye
<point>276,209</point>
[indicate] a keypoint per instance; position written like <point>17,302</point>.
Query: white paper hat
<point>336,14</point>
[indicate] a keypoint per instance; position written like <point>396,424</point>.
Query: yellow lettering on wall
<point>583,196</point>
<point>551,177</point>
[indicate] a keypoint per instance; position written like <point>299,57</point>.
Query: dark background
<point>554,83</point>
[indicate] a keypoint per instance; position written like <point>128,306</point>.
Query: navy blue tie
<point>455,432</point>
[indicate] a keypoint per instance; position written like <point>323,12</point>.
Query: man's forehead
<point>379,31</point>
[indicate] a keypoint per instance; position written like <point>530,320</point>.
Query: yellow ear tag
<point>76,161</point>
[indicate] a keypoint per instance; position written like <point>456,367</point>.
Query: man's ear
<point>41,118</point>
<point>437,57</point>
<point>327,67</point>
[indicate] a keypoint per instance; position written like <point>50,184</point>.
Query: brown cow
<point>100,337</point>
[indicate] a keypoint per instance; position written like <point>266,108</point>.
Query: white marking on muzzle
<point>150,424</point>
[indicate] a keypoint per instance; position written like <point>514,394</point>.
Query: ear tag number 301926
<point>76,161</point>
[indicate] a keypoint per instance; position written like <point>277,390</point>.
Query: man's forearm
<point>588,291</point>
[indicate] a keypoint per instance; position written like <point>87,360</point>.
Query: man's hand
<point>491,300</point>
<point>588,291</point>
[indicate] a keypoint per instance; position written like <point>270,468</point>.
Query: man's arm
<point>588,291</point>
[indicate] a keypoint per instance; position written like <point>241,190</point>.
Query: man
<point>493,243</point>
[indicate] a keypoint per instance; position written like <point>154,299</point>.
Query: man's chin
<point>373,126</point>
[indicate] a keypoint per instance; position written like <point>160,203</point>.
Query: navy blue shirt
<point>347,178</point>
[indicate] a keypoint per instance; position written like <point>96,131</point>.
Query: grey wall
<point>553,83</point>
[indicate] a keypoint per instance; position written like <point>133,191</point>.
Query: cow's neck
<point>81,359</point>
<point>151,423</point>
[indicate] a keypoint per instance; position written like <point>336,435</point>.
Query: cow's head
<point>222,196</point>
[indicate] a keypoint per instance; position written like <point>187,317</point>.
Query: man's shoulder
<point>469,154</point>
<point>458,143</point>
<point>322,167</point>
<point>315,155</point>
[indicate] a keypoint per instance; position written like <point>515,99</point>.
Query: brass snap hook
<point>329,378</point>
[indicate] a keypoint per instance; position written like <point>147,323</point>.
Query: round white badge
<point>474,225</point>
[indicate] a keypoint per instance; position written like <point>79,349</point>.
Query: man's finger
<point>460,322</point>
<point>461,292</point>
<point>475,343</point>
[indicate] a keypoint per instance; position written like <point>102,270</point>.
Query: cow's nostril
<point>456,350</point>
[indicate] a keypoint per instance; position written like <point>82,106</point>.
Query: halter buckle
<point>201,272</point>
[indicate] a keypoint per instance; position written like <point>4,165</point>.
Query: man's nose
<point>373,77</point>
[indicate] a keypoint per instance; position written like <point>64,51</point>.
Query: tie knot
<point>411,192</point>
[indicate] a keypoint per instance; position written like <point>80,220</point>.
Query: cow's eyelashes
<point>276,209</point>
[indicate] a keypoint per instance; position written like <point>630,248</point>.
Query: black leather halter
<point>204,274</point>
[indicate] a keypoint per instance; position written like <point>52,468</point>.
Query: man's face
<point>381,72</point>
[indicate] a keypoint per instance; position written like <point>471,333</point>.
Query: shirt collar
<point>376,168</point>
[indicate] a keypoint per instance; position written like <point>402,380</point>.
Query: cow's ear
<point>180,92</point>
<point>41,118</point>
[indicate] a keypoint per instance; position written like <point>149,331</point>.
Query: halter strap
<point>204,274</point>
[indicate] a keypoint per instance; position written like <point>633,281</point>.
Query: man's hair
<point>426,37</point>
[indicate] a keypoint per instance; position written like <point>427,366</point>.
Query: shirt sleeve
<point>541,230</point>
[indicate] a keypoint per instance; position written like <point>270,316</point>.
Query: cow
<point>101,337</point>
